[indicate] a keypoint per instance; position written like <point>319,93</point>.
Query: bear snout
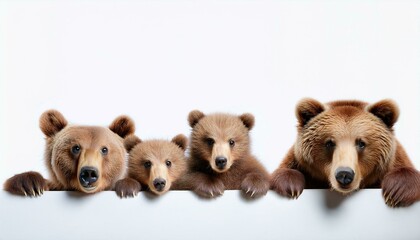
<point>344,176</point>
<point>221,162</point>
<point>159,184</point>
<point>88,176</point>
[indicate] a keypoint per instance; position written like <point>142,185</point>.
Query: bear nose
<point>159,184</point>
<point>88,176</point>
<point>344,175</point>
<point>221,162</point>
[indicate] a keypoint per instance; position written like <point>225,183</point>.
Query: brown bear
<point>220,156</point>
<point>348,145</point>
<point>153,165</point>
<point>83,158</point>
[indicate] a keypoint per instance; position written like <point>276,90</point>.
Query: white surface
<point>318,214</point>
<point>157,60</point>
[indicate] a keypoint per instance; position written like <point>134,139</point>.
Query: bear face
<point>346,143</point>
<point>220,157</point>
<point>83,158</point>
<point>220,139</point>
<point>156,164</point>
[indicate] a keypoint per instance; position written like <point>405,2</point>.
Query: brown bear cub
<point>347,145</point>
<point>153,165</point>
<point>88,159</point>
<point>220,156</point>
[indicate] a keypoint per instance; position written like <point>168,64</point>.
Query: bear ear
<point>51,122</point>
<point>386,110</point>
<point>194,117</point>
<point>123,126</point>
<point>248,119</point>
<point>130,142</point>
<point>308,108</point>
<point>181,140</point>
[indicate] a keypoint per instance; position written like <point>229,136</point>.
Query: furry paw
<point>401,187</point>
<point>255,185</point>
<point>288,182</point>
<point>127,187</point>
<point>30,184</point>
<point>210,189</point>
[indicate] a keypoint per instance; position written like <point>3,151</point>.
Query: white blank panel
<point>317,214</point>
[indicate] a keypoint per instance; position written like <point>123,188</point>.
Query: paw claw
<point>252,194</point>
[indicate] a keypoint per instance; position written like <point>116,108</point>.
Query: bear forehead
<point>348,121</point>
<point>347,103</point>
<point>89,135</point>
<point>221,125</point>
<point>157,150</point>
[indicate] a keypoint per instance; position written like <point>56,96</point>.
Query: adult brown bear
<point>347,145</point>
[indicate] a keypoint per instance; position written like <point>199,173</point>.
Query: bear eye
<point>104,150</point>
<point>209,141</point>
<point>168,163</point>
<point>147,164</point>
<point>360,144</point>
<point>329,144</point>
<point>232,142</point>
<point>75,149</point>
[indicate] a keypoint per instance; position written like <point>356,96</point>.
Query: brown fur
<point>242,170</point>
<point>64,165</point>
<point>157,153</point>
<point>362,137</point>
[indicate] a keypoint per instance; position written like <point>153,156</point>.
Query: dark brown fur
<point>243,170</point>
<point>382,162</point>
<point>157,153</point>
<point>64,165</point>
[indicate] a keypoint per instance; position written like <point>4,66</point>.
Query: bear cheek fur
<point>63,164</point>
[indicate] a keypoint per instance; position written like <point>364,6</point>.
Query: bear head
<point>85,158</point>
<point>156,163</point>
<point>220,139</point>
<point>345,142</point>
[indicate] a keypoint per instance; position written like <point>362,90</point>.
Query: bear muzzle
<point>221,157</point>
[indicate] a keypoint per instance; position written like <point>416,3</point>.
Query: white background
<point>158,60</point>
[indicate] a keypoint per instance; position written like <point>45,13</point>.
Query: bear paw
<point>127,187</point>
<point>288,182</point>
<point>30,184</point>
<point>401,187</point>
<point>210,189</point>
<point>255,185</point>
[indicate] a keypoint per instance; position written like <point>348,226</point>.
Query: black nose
<point>344,175</point>
<point>159,184</point>
<point>221,162</point>
<point>88,176</point>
